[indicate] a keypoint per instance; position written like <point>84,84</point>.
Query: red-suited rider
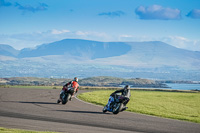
<point>74,84</point>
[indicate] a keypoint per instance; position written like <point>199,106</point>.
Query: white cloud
<point>176,41</point>
<point>81,33</point>
<point>125,36</point>
<point>92,34</point>
<point>54,31</point>
<point>158,12</point>
<point>133,38</point>
<point>25,40</point>
<point>182,42</point>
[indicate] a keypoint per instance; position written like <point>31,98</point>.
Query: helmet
<point>127,87</point>
<point>76,79</point>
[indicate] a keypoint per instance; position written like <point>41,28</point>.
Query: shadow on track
<point>29,102</point>
<point>37,102</point>
<point>84,112</point>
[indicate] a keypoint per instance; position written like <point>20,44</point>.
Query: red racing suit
<point>72,84</point>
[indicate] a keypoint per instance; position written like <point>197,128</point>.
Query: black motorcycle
<point>66,95</point>
<point>118,105</point>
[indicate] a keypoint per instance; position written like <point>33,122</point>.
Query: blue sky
<point>28,23</point>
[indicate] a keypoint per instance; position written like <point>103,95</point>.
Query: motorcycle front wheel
<point>117,109</point>
<point>105,109</point>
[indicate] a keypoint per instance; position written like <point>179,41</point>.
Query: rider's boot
<point>124,108</point>
<point>70,99</point>
<point>59,100</point>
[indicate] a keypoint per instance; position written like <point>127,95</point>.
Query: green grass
<point>6,130</point>
<point>175,105</point>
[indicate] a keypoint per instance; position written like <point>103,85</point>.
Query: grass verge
<point>6,130</point>
<point>175,105</point>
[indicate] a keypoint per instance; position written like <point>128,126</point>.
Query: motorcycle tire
<point>118,108</point>
<point>105,109</point>
<point>64,99</point>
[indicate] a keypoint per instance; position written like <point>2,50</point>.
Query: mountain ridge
<point>77,47</point>
<point>92,58</point>
<point>137,54</point>
<point>8,50</point>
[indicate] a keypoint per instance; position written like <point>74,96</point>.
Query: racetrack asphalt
<point>36,109</point>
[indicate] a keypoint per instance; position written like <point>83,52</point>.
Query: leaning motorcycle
<point>118,105</point>
<point>66,95</point>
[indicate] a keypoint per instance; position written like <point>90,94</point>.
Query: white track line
<point>88,102</point>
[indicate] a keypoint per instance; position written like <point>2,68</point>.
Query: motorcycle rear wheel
<point>66,99</point>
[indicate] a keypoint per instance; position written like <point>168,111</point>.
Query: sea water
<point>176,86</point>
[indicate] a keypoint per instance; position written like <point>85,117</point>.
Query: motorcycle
<point>118,105</point>
<point>66,95</point>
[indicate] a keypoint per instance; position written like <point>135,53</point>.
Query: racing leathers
<point>125,92</point>
<point>73,84</point>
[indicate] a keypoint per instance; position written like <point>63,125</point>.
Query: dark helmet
<point>127,87</point>
<point>76,79</point>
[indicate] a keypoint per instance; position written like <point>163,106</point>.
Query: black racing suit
<point>124,92</point>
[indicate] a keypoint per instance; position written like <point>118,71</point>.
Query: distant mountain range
<point>73,47</point>
<point>98,57</point>
<point>7,50</point>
